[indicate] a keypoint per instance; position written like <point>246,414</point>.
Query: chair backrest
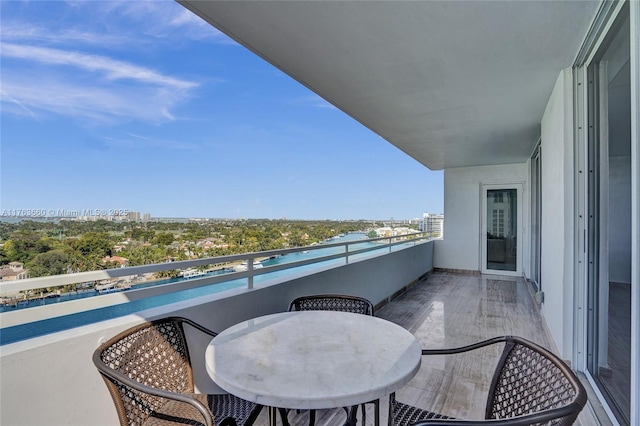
<point>332,302</point>
<point>529,379</point>
<point>154,354</point>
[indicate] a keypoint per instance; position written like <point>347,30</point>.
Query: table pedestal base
<point>352,416</point>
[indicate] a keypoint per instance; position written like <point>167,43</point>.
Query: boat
<point>191,273</point>
<point>112,287</point>
<point>244,266</point>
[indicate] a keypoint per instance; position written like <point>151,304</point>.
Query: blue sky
<point>140,105</point>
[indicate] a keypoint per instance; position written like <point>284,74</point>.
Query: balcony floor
<point>447,310</point>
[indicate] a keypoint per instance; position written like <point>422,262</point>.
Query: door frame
<point>586,244</point>
<point>535,219</point>
<point>484,187</point>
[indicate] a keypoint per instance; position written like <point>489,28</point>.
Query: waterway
<point>52,325</point>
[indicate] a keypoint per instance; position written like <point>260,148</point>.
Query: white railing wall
<point>51,379</point>
<point>348,250</point>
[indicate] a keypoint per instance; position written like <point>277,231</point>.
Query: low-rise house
<point>13,271</point>
<point>120,261</point>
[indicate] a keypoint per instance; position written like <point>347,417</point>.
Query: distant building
<point>146,217</point>
<point>13,271</point>
<point>389,231</point>
<point>121,261</point>
<point>133,216</point>
<point>433,223</point>
<point>386,231</point>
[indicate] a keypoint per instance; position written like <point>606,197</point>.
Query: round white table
<point>313,359</point>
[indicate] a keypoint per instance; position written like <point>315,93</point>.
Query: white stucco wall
<point>460,248</point>
<point>557,260</point>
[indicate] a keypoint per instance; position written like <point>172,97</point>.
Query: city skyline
<point>142,106</point>
<point>14,215</point>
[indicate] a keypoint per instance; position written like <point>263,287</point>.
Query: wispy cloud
<point>88,86</point>
<point>318,102</point>
<point>188,18</point>
<point>107,105</point>
<point>126,24</point>
<point>67,58</point>
<point>159,19</point>
<point>30,33</point>
<point>112,69</point>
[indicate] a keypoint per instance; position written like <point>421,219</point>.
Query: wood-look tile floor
<point>447,310</point>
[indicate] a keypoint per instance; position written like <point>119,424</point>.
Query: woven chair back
<point>154,354</point>
<point>332,302</point>
<point>529,380</point>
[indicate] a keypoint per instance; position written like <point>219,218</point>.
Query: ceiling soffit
<point>451,83</point>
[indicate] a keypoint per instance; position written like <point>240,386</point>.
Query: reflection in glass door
<point>609,229</point>
<point>502,225</point>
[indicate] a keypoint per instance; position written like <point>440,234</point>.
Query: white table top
<point>313,359</point>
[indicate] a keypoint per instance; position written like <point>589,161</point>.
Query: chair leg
<point>284,416</point>
<point>272,416</point>
<point>229,421</point>
<point>312,417</point>
<point>376,412</point>
<point>352,416</point>
<point>376,407</point>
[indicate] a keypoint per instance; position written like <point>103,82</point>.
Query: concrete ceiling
<point>451,83</point>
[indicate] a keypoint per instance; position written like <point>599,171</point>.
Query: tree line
<point>53,248</point>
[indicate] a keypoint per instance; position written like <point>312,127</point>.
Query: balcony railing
<point>442,311</point>
<point>55,368</point>
<point>274,265</point>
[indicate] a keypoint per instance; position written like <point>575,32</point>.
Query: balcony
<point>448,309</point>
<point>50,379</point>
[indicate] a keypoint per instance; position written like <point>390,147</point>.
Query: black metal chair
<point>530,386</point>
<point>332,302</point>
<point>148,372</point>
<point>341,303</point>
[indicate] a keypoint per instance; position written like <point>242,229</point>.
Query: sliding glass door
<point>609,213</point>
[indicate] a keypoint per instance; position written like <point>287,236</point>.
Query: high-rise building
<point>134,216</point>
<point>433,223</point>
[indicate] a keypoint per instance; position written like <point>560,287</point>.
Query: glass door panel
<point>502,225</point>
<point>609,231</point>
